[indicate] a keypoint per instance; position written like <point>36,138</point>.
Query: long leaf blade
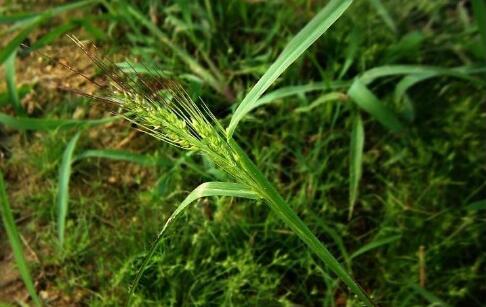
<point>12,88</point>
<point>203,190</point>
<point>366,100</point>
<point>479,10</point>
<point>44,124</point>
<point>303,40</point>
<point>384,14</point>
<point>356,161</point>
<point>15,243</point>
<point>62,198</point>
<point>280,207</point>
<point>374,244</point>
<point>121,155</point>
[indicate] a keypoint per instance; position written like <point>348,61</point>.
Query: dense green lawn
<point>415,236</point>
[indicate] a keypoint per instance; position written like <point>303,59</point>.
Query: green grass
<point>421,188</point>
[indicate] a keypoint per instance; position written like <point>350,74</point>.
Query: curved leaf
<point>306,37</point>
<point>366,100</point>
<point>203,190</point>
<point>62,198</point>
<point>374,244</point>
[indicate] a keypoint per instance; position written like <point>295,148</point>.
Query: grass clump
<point>165,111</point>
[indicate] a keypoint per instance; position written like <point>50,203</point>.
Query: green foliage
<point>294,49</point>
<point>15,243</point>
<point>62,198</point>
<point>416,233</point>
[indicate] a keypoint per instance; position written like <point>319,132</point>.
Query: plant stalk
<point>284,212</point>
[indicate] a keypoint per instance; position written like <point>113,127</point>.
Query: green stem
<point>283,211</point>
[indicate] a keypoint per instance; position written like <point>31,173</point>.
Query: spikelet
<point>164,110</point>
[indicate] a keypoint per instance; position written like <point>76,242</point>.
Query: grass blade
<point>62,198</point>
<point>194,66</point>
<point>293,90</point>
<point>299,43</point>
<point>34,20</point>
<point>203,190</point>
<point>320,101</point>
<point>430,297</point>
<point>374,244</point>
<point>356,160</point>
<point>12,88</point>
<point>384,14</point>
<point>15,243</point>
<point>26,123</point>
<point>477,205</point>
<point>121,155</point>
<point>280,207</point>
<point>355,39</point>
<point>53,34</point>
<point>462,72</point>
<point>10,48</point>
<point>479,10</point>
<point>366,100</point>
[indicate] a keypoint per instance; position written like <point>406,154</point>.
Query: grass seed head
<point>164,110</point>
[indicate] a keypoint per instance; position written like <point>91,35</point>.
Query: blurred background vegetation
<point>415,236</point>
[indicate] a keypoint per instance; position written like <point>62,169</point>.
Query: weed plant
<point>373,137</point>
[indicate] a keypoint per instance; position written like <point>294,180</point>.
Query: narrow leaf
<point>203,190</point>
<point>10,48</point>
<point>15,243</point>
<point>53,34</point>
<point>356,160</point>
<point>366,100</point>
<point>62,198</point>
<point>282,209</point>
<point>479,10</point>
<point>477,205</point>
<point>43,124</point>
<point>321,100</point>
<point>33,20</point>
<point>11,84</point>
<point>294,49</point>
<point>355,39</point>
<point>429,296</point>
<point>193,65</point>
<point>374,244</point>
<point>462,72</point>
<point>121,155</point>
<point>384,14</point>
